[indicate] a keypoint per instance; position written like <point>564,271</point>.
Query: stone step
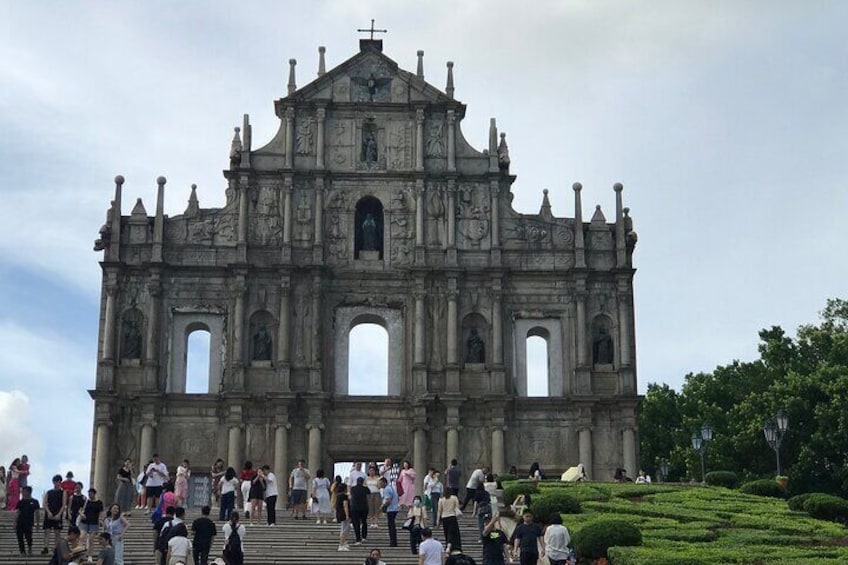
<point>290,542</point>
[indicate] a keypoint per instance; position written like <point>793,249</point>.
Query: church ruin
<point>367,206</point>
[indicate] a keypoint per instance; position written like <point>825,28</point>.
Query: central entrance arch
<point>391,319</point>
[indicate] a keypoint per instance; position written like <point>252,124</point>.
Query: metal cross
<point>372,31</point>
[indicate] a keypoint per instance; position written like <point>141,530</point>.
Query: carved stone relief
<point>303,213</point>
<point>435,146</point>
<point>371,81</point>
<point>473,215</point>
<point>437,316</point>
<point>436,214</point>
<point>341,90</point>
<point>601,240</point>
<point>337,242</point>
<point>399,147</point>
<point>341,143</point>
<point>305,136</point>
<point>266,226</point>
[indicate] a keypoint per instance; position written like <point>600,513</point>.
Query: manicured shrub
<point>764,487</point>
<point>504,478</point>
<point>544,506</point>
<point>593,540</point>
<point>515,488</point>
<point>796,502</point>
<point>722,479</point>
<point>826,507</point>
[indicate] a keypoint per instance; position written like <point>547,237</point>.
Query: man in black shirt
<point>54,509</point>
<point>204,530</point>
<point>359,494</point>
<point>526,539</point>
<point>495,543</point>
<point>25,519</point>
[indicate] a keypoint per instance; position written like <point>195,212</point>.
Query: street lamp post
<point>700,439</point>
<point>775,431</point>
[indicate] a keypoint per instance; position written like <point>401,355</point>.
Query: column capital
<point>320,114</point>
<point>314,426</point>
<point>419,116</point>
<point>286,426</point>
<point>289,113</point>
<point>451,117</point>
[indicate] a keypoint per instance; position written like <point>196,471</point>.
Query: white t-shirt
<point>300,478</point>
<point>271,485</point>
<point>477,478</point>
<point>431,550</point>
<point>179,546</point>
<point>157,474</point>
<point>228,530</point>
<point>229,486</point>
<point>353,476</point>
<point>557,539</point>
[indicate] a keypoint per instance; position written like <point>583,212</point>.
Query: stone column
<point>242,226</point>
<point>314,458</point>
<point>315,350</point>
<point>419,215</point>
<point>579,251</point>
<point>624,331</point>
<point>496,216</point>
<point>238,321</point>
<point>234,446</point>
<point>283,348</point>
<point>281,458</point>
<point>287,211</point>
<point>585,450</point>
<point>146,445</point>
<point>418,357</point>
<point>628,446</point>
<point>419,455</point>
<point>101,458</point>
<point>289,160</point>
<point>497,325</point>
<point>452,443</point>
<point>319,212</point>
<point>620,244</point>
<point>109,321</point>
<point>154,289</point>
<point>320,113</point>
<point>419,139</point>
<point>159,222</point>
<point>498,456</point>
<point>453,358</point>
<point>451,212</point>
<point>451,119</point>
<point>580,298</point>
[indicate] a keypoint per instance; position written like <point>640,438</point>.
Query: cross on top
<point>372,31</point>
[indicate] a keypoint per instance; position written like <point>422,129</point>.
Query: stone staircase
<point>291,542</point>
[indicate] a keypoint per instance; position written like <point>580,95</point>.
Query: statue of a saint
<point>369,148</point>
<point>130,339</point>
<point>602,349</point>
<point>370,241</point>
<point>262,344</point>
<point>476,348</point>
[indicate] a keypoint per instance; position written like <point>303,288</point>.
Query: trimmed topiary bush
<point>796,502</point>
<point>826,507</point>
<point>593,540</point>
<point>764,487</point>
<point>722,479</point>
<point>504,478</point>
<point>515,488</point>
<point>544,506</point>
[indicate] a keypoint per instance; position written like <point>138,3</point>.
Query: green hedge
<point>796,503</point>
<point>722,479</point>
<point>593,540</point>
<point>545,505</point>
<point>764,487</point>
<point>826,507</point>
<point>504,478</point>
<point>515,488</point>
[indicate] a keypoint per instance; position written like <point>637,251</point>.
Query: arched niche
<point>368,229</point>
<point>261,344</point>
<point>550,330</point>
<point>131,337</point>
<point>475,339</point>
<point>391,320</point>
<point>603,342</point>
<point>183,323</point>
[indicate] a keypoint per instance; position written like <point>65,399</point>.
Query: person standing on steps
<point>115,524</point>
<point>453,474</point>
<point>418,514</point>
<point>229,488</point>
<point>477,478</point>
<point>204,530</point>
<point>157,474</point>
<point>342,511</point>
<point>25,510</point>
<point>54,510</point>
<point>526,539</point>
<point>447,516</point>
<point>298,487</point>
<point>391,506</point>
<point>271,494</point>
<point>372,481</point>
<point>359,495</point>
<point>430,552</point>
<point>234,534</point>
<point>321,496</point>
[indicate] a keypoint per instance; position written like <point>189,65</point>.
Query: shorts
<point>89,528</point>
<point>298,496</point>
<point>52,524</point>
<point>154,492</point>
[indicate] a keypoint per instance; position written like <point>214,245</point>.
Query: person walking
<point>92,518</point>
<point>54,509</point>
<point>452,476</point>
<point>495,543</point>
<point>234,534</point>
<point>430,552</point>
<point>416,518</point>
<point>204,530</point>
<point>107,555</point>
<point>359,495</point>
<point>25,510</point>
<point>527,539</point>
<point>181,482</point>
<point>246,478</point>
<point>433,488</point>
<point>406,483</point>
<point>477,478</point>
<point>115,524</point>
<point>447,517</point>
<point>391,506</point>
<point>229,487</point>
<point>157,474</point>
<point>321,496</point>
<point>557,540</point>
<point>342,515</point>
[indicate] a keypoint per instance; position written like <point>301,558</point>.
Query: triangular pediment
<point>369,77</point>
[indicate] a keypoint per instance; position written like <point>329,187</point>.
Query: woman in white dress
<point>321,497</point>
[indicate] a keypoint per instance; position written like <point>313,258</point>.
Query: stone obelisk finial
<point>292,81</point>
<point>322,66</point>
<point>579,252</point>
<point>620,244</point>
<point>159,221</point>
<point>449,86</point>
<point>420,71</point>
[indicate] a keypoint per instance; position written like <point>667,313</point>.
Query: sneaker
<point>318,521</point>
<point>43,551</point>
<point>357,543</point>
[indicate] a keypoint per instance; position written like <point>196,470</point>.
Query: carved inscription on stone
<point>399,146</point>
<point>341,143</point>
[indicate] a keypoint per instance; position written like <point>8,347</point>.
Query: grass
<point>694,525</point>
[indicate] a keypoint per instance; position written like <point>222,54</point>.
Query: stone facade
<point>368,205</point>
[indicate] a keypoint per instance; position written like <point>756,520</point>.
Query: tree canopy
<point>806,376</point>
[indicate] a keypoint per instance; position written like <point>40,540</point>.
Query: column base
<point>315,379</point>
<point>420,255</point>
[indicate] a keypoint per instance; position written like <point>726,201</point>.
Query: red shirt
<point>68,485</point>
<point>247,474</point>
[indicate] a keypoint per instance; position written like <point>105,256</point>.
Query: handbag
<point>407,524</point>
<point>399,488</point>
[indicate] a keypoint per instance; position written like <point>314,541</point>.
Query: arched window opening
<point>197,361</point>
<point>368,229</point>
<point>368,360</point>
<point>538,365</point>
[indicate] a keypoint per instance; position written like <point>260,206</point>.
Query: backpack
<point>164,536</point>
<point>461,560</point>
<point>233,547</point>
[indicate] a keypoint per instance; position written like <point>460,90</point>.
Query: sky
<point>724,120</point>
